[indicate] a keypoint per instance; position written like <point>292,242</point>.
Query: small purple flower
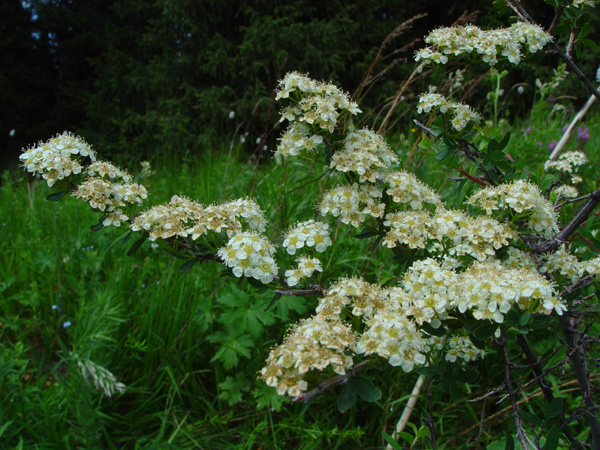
<point>540,144</point>
<point>551,146</point>
<point>66,324</point>
<point>565,128</point>
<point>583,133</point>
<point>527,131</point>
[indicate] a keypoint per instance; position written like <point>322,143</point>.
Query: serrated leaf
<point>555,407</point>
<point>551,439</point>
<point>231,348</point>
<point>346,399</point>
<point>232,389</point>
<point>55,196</point>
<point>365,389</point>
<point>245,314</point>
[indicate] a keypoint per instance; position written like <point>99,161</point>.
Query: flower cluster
<point>57,158</point>
<point>448,232</point>
<point>182,217</point>
<point>297,138</point>
<point>250,255</point>
<point>470,40</point>
<point>407,189</point>
<point>352,203</point>
<point>306,267</point>
<point>461,114</point>
<point>563,263</point>
<point>313,102</point>
<point>310,234</point>
<point>312,344</point>
<point>567,162</point>
<point>461,347</point>
<point>110,197</point>
<point>522,198</point>
<point>365,153</point>
<point>489,290</point>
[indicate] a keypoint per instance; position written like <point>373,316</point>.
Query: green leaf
<point>346,399</point>
<point>423,432</point>
<point>551,439</point>
<point>429,371</point>
<point>511,318</point>
<point>524,319</point>
<point>136,245</point>
<point>531,418</point>
<point>542,321</point>
<point>510,442</point>
<point>468,376</point>
<point>588,43</point>
<point>555,407</point>
<point>55,196</point>
<point>390,440</point>
<point>485,331</point>
<point>272,302</point>
<point>365,389</point>
<point>231,348</point>
<point>245,313</point>
<point>187,265</point>
<point>365,233</point>
<point>497,156</point>
<point>97,227</point>
<point>232,389</point>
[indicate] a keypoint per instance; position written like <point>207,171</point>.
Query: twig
<point>314,290</point>
<point>579,364</point>
<point>521,435</point>
<point>553,244</point>
<point>408,409</point>
<point>517,7</point>
<point>355,370</point>
<point>565,137</point>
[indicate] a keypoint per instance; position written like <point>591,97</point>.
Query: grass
<point>189,347</point>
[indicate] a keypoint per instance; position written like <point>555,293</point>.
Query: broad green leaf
<point>346,399</point>
<point>429,371</point>
<point>365,389</point>
<point>524,319</point>
<point>551,439</point>
<point>531,418</point>
<point>55,196</point>
<point>555,407</point>
<point>485,331</point>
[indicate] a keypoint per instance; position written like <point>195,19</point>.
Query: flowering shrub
<point>469,279</point>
